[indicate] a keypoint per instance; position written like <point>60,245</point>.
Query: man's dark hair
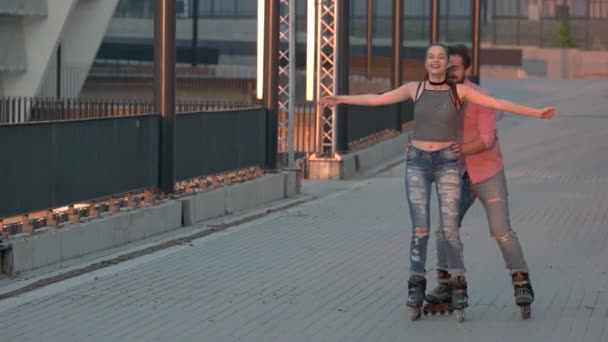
<point>462,51</point>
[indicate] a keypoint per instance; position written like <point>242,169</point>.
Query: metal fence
<point>365,124</point>
<point>14,110</point>
<point>50,164</point>
<point>134,79</point>
<point>58,163</point>
<point>358,125</point>
<point>33,109</point>
<point>213,142</point>
<point>304,130</point>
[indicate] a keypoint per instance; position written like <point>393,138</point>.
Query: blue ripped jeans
<point>444,168</point>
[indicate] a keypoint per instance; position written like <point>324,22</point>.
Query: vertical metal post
<point>291,163</point>
<point>326,75</point>
<point>397,67</point>
<point>540,22</point>
<point>58,78</point>
<point>286,82</point>
<point>194,51</point>
<point>447,21</point>
<point>494,34</point>
<point>422,19</point>
<point>434,30</point>
<point>518,28</point>
<point>271,75</point>
<point>164,89</point>
<point>370,39</point>
<point>342,50</point>
<point>587,42</point>
<point>283,83</point>
<point>475,41</point>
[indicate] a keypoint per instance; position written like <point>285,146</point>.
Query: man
<point>484,179</point>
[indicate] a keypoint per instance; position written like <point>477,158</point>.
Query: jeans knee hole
<point>494,200</point>
<point>449,233</point>
<point>421,232</point>
<point>507,237</point>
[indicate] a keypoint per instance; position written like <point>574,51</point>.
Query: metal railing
<point>304,130</point>
<point>55,164</point>
<point>23,7</point>
<point>34,109</point>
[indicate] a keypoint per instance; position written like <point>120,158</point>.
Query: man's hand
<point>456,148</point>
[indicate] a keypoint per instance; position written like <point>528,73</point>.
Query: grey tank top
<point>436,118</point>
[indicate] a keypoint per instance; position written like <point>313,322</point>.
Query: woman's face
<point>436,60</point>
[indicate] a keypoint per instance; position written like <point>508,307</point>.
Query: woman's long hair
<point>451,81</point>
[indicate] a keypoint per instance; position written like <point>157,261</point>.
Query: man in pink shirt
<point>484,179</point>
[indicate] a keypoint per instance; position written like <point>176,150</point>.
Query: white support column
<point>327,23</point>
<point>286,81</point>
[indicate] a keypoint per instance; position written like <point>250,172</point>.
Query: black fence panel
<point>213,142</point>
<point>51,164</point>
<point>364,121</point>
<point>143,51</point>
<point>407,111</point>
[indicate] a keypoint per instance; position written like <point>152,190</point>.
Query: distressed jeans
<point>443,168</point>
<point>493,194</point>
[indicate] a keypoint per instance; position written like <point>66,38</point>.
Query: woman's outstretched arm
<point>394,96</point>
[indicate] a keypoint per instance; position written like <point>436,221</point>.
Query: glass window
<point>224,8</point>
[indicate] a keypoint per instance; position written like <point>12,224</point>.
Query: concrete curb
<point>369,158</point>
<point>52,245</point>
<point>353,164</point>
<point>230,199</point>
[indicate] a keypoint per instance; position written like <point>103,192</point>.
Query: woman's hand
<point>330,101</point>
<point>546,113</point>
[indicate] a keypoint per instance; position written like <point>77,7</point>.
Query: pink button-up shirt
<point>481,122</point>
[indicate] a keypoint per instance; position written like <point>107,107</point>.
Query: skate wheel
<point>526,311</point>
<point>460,316</point>
<point>415,314</point>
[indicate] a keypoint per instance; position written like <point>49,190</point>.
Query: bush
<point>564,31</point>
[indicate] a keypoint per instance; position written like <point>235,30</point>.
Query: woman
<point>430,158</point>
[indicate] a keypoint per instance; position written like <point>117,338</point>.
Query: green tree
<point>564,31</point>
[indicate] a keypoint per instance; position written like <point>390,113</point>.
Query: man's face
<point>457,68</point>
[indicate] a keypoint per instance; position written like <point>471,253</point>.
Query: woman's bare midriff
<point>431,146</point>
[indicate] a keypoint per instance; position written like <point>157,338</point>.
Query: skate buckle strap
<point>520,279</point>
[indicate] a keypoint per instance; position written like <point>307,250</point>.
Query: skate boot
<point>415,295</point>
<point>524,295</point>
<point>441,293</point>
<point>460,298</point>
<point>440,299</point>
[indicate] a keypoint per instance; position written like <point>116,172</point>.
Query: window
<point>598,9</point>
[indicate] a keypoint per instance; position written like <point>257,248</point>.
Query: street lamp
<point>310,50</point>
<point>260,51</point>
